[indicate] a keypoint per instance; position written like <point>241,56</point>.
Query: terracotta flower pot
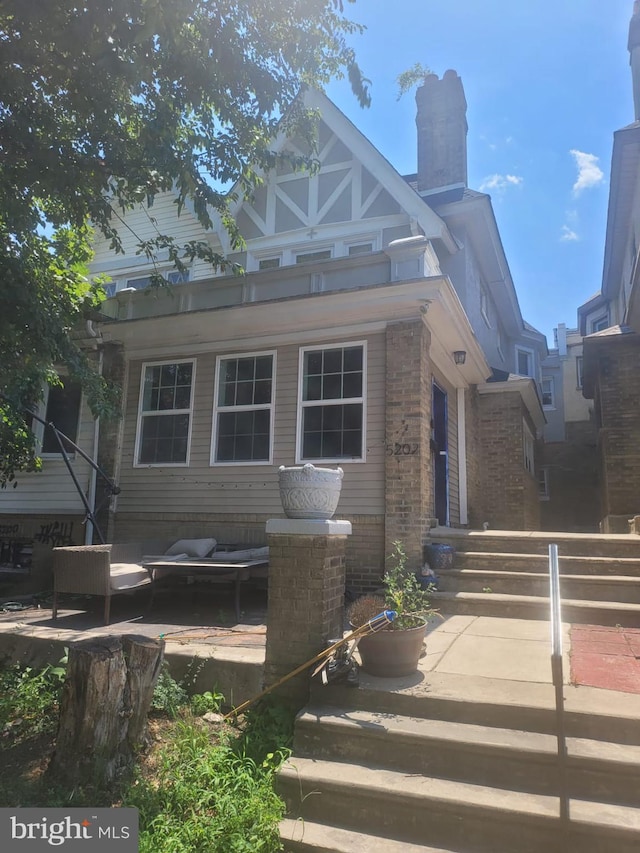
<point>390,654</point>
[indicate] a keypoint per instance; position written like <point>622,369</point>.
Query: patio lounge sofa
<point>108,570</point>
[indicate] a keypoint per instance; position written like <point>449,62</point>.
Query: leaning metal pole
<point>558,682</point>
<point>61,438</point>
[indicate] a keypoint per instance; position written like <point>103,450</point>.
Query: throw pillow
<point>192,547</point>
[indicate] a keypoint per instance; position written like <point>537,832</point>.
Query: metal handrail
<point>558,680</point>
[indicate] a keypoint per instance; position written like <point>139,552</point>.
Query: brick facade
<point>408,479</point>
<point>306,606</point>
<point>509,498</point>
<point>617,399</point>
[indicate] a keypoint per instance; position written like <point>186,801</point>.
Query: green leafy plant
<point>401,592</point>
<point>30,700</point>
<point>204,703</point>
<point>169,695</point>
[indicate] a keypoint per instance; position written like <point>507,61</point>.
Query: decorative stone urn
<point>310,492</point>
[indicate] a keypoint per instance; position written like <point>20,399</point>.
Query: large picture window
<point>164,422</point>
<point>331,406</point>
<point>243,416</point>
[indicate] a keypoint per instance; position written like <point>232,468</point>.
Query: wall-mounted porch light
<point>459,356</point>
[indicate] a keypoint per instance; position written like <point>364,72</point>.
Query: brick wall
<point>365,548</point>
<point>408,478</point>
<point>474,480</point>
<point>306,606</point>
<point>618,404</point>
<point>509,493</point>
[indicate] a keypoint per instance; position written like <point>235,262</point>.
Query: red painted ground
<point>606,657</point>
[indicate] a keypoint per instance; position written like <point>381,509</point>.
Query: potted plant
<point>396,650</point>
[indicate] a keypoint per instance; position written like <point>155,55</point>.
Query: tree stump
<point>105,701</point>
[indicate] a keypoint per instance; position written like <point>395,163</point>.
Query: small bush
<point>169,696</point>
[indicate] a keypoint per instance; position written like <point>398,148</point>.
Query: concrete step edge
<point>543,558</point>
<point>627,580</point>
<point>308,835</point>
<point>446,795</point>
<point>536,746</point>
<point>536,599</point>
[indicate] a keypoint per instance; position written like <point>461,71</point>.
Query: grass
<point>200,786</point>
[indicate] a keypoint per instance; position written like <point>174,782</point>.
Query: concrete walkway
<point>461,651</point>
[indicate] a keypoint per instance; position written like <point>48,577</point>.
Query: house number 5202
<point>405,449</point>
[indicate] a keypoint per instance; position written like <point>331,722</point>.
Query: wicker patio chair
<point>104,570</point>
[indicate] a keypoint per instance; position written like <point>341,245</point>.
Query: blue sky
<point>547,83</point>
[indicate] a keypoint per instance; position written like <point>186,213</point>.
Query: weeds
<point>205,789</point>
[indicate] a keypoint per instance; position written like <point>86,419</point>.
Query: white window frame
<point>142,414</point>
<point>531,357</point>
<point>544,493</point>
<point>249,408</point>
<point>313,250</point>
<point>552,404</point>
<point>302,404</point>
<point>528,449</point>
<point>579,369</point>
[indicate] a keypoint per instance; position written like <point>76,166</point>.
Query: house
<point>376,327</point>
<point>610,322</point>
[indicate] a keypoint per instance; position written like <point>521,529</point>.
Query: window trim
<point>552,405</point>
<point>531,355</point>
<point>213,462</point>
<point>136,450</point>
<point>302,404</point>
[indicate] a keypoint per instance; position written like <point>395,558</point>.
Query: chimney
<point>442,132</point>
<point>634,57</point>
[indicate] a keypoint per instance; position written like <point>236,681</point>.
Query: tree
<point>104,104</point>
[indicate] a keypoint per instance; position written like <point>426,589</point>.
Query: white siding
<point>52,490</point>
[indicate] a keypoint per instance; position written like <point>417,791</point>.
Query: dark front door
<point>439,454</point>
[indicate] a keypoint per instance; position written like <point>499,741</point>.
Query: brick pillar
<point>306,598</point>
<point>408,467</point>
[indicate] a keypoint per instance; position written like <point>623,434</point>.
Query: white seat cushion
<point>243,556</point>
<point>127,576</point>
<point>192,547</point>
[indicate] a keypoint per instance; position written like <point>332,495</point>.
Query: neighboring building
<point>568,475</point>
<point>611,323</point>
<point>377,328</point>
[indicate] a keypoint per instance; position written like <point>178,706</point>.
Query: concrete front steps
<point>506,573</point>
<point>466,765</point>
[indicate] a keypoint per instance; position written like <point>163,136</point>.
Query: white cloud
<point>568,235</point>
<point>500,182</point>
<point>589,173</point>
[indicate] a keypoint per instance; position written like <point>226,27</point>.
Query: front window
<point>164,421</point>
<point>243,416</point>
<point>332,389</point>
